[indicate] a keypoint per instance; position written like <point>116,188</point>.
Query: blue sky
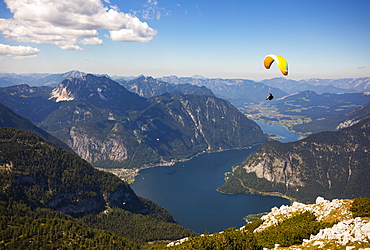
<point>226,39</point>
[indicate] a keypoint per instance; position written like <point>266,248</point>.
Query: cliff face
<point>329,164</point>
<point>283,169</point>
<point>94,149</point>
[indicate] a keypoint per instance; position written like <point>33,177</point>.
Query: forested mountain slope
<point>38,179</point>
<point>9,119</point>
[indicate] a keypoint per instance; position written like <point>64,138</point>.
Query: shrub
<point>361,207</point>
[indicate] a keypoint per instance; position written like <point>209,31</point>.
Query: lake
<point>188,190</point>
<point>282,131</point>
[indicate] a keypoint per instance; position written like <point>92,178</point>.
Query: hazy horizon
<point>193,76</point>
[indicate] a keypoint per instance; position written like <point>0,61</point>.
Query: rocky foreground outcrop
<point>347,232</point>
<point>324,210</point>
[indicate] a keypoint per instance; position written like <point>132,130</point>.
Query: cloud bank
<point>18,52</point>
<point>68,23</point>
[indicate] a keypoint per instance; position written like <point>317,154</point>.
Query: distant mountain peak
<point>82,88</point>
<point>74,73</point>
<point>198,77</point>
<point>97,90</point>
<point>144,78</point>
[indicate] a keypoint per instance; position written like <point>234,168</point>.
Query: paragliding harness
<point>270,97</point>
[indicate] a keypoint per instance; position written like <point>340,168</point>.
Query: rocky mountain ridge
<point>100,91</point>
<point>35,79</point>
<point>329,164</point>
<point>150,87</point>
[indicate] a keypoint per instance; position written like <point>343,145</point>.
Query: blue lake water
<point>282,131</point>
<point>188,190</point>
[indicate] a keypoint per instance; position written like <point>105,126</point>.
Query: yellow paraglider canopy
<point>280,61</point>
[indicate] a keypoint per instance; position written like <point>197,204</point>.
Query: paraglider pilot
<point>270,97</point>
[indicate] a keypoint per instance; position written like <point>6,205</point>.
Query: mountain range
<point>237,91</point>
<point>299,105</point>
<point>150,87</point>
<point>224,88</point>
<point>112,127</point>
<point>36,79</point>
<point>320,86</point>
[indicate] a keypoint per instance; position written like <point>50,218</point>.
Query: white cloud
<point>65,23</point>
<point>135,31</point>
<point>70,47</point>
<point>19,52</point>
<point>91,41</point>
<point>24,57</point>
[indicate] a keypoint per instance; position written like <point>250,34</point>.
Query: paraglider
<point>270,97</point>
<point>279,60</point>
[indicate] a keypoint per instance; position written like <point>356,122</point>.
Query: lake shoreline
<point>128,175</point>
<point>254,191</point>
